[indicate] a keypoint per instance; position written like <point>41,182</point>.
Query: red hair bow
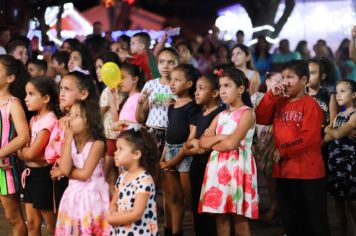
<point>219,72</point>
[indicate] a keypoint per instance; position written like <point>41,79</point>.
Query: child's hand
<point>167,165</point>
<point>56,173</point>
<point>144,96</point>
<point>276,156</point>
<point>68,134</point>
<point>4,166</point>
<point>279,90</point>
<point>120,125</point>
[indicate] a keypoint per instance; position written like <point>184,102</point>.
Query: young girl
<point>42,99</point>
<point>132,82</point>
<point>263,148</point>
<point>109,105</point>
<point>86,199</point>
<point>342,154</point>
<point>14,135</point>
<point>326,100</point>
<point>74,86</point>
<point>133,207</point>
<point>242,59</point>
<point>230,183</point>
<point>181,127</point>
<point>206,95</point>
<point>156,94</point>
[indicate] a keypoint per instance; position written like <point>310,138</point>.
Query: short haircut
<point>300,67</point>
<point>61,57</point>
<point>12,45</point>
<point>144,38</point>
<point>41,64</point>
<point>240,32</point>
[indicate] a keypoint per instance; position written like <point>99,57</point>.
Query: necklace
<point>234,109</point>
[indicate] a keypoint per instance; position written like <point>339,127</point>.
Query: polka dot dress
<point>147,225</point>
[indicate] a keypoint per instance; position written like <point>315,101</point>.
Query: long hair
<point>239,78</point>
<point>94,121</point>
<point>46,86</point>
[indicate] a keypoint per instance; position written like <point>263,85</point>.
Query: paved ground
<point>258,228</point>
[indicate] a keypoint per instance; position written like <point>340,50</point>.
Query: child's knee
<point>33,224</point>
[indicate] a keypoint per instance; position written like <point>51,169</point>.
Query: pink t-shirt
<point>128,111</point>
<point>46,122</point>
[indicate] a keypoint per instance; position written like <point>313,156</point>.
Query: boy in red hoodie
<point>139,46</point>
<point>299,168</point>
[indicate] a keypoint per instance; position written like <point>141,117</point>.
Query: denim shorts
<point>172,151</point>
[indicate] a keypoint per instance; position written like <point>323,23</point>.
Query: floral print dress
<point>84,203</point>
<point>230,181</point>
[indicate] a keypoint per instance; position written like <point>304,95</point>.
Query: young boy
<point>36,67</point>
<point>139,45</point>
<point>59,64</point>
<point>298,168</point>
<point>17,49</point>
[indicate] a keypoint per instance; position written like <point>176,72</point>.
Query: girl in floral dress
<point>86,199</point>
<point>230,183</point>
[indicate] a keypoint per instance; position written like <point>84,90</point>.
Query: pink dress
<point>84,203</point>
<point>230,180</point>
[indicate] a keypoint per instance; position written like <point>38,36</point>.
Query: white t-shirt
<point>2,50</point>
<point>160,94</point>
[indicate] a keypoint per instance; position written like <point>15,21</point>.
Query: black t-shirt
<point>179,120</point>
<point>203,122</point>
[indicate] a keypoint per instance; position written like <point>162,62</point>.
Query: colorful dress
<point>230,181</point>
<point>342,164</point>
<point>10,178</point>
<point>147,225</point>
<point>84,203</point>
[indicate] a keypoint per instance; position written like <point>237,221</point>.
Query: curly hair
<point>46,86</point>
<point>94,120</point>
<point>142,141</point>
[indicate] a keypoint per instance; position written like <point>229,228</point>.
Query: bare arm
<point>209,138</point>
<point>130,217</point>
<point>352,47</point>
<point>142,108</point>
<point>160,45</point>
<point>95,154</point>
<point>37,147</point>
<point>344,130</point>
<point>254,83</point>
<point>333,107</point>
<point>232,141</point>
<point>21,127</point>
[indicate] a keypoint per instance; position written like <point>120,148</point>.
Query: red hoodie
<point>141,60</point>
<point>296,130</point>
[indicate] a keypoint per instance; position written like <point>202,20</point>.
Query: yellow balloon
<point>111,74</point>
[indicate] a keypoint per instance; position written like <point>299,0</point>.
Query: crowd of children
<point>86,159</point>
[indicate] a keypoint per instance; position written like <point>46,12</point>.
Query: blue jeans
<point>172,151</point>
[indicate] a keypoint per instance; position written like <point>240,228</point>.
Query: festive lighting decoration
<point>109,3</point>
<point>310,20</point>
